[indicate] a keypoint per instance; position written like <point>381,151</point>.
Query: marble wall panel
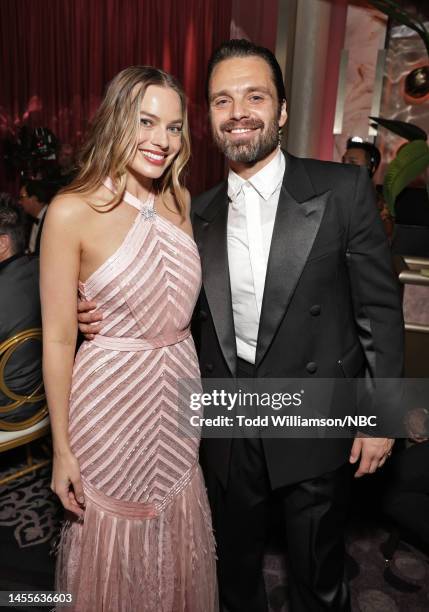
<point>406,51</point>
<point>365,36</point>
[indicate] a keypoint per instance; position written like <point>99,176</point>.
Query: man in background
<point>19,308</point>
<point>34,197</point>
<point>362,153</point>
<point>66,165</point>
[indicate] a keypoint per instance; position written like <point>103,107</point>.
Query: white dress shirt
<point>251,216</point>
<point>36,229</point>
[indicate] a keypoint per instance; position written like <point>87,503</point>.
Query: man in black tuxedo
<point>34,197</point>
<point>296,284</point>
<point>306,292</point>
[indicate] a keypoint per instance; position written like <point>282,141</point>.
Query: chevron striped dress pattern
<point>145,542</point>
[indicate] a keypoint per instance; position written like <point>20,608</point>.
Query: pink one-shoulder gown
<point>145,542</point>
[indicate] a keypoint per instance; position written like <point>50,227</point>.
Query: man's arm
<point>88,319</point>
<point>376,299</point>
<point>377,307</point>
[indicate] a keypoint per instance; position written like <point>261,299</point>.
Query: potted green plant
<point>411,161</point>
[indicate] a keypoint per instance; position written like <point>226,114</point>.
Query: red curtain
<point>259,24</point>
<point>58,55</point>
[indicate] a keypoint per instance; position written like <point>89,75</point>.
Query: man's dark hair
<point>240,47</point>
<point>42,190</point>
<point>12,223</point>
<point>372,153</point>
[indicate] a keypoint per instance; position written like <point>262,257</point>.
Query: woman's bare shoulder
<point>64,218</point>
<point>70,207</point>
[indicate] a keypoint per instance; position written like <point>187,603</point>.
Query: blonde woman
<point>138,534</point>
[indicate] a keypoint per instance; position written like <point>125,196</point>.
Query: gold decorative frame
<point>6,350</point>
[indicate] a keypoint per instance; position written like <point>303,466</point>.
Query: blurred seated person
<point>361,153</point>
<point>65,160</point>
<point>34,197</point>
<point>19,309</point>
<point>406,498</point>
<point>65,169</point>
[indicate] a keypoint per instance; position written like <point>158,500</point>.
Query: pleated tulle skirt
<point>128,557</point>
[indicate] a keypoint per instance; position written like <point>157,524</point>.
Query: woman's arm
<point>59,274</point>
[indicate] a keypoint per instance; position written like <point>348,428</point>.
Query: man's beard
<point>248,152</point>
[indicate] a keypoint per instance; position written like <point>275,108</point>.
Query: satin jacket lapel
<point>211,236</point>
<point>297,222</point>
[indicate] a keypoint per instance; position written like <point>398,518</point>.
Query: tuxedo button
<point>311,367</point>
<point>315,310</point>
<point>209,367</point>
<point>199,245</point>
<point>203,315</point>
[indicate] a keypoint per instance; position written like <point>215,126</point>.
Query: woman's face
<point>160,132</point>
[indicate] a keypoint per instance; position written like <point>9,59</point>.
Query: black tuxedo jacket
<point>39,236</point>
<point>20,311</point>
<point>331,305</point>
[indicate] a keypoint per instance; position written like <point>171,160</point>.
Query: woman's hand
<point>66,472</point>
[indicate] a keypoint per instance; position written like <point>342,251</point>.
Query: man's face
<point>31,205</point>
<point>356,157</point>
<point>244,109</point>
<point>65,156</point>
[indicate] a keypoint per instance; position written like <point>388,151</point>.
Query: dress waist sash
<point>140,344</point>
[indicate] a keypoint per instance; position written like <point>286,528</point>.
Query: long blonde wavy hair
<point>111,142</point>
